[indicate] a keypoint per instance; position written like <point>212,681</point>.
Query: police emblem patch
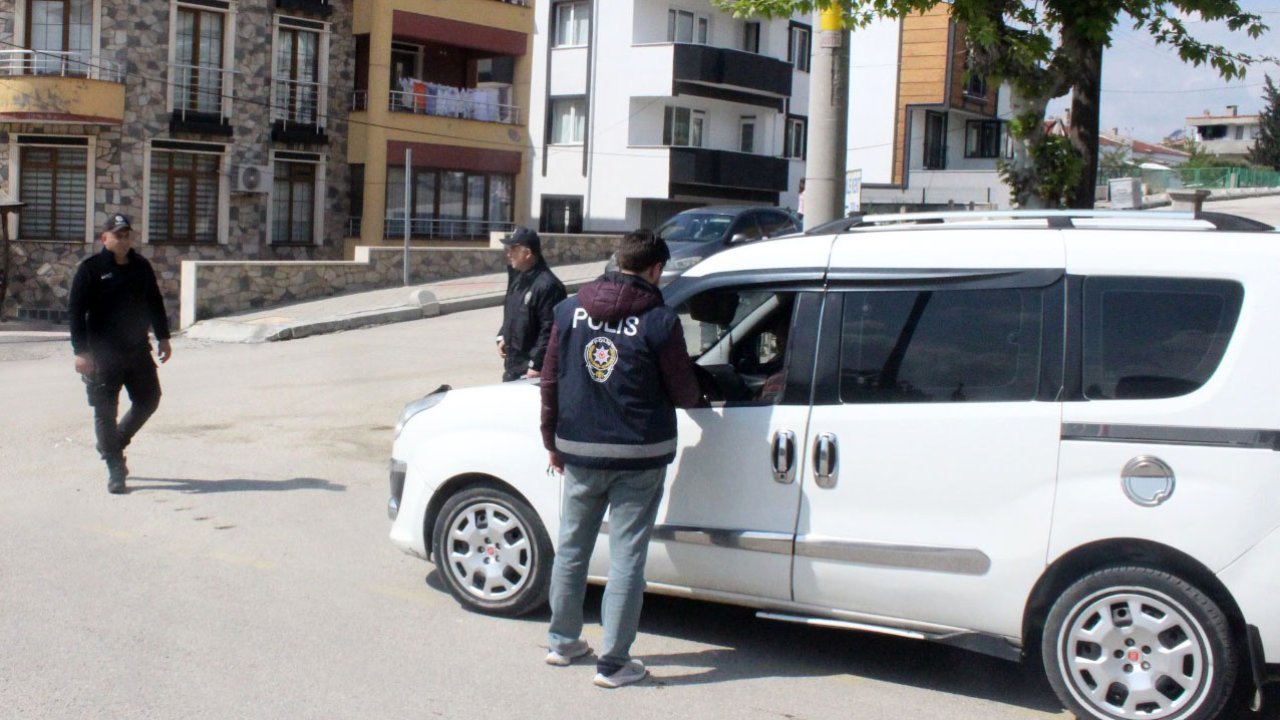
<point>601,356</point>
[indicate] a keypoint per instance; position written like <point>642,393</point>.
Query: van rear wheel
<point>1136,642</point>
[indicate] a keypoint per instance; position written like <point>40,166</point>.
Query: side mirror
<point>739,238</point>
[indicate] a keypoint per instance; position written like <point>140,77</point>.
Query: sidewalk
<point>374,307</point>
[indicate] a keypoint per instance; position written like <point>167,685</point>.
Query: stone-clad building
<point>220,126</point>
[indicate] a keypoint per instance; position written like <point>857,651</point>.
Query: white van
<point>1041,435</point>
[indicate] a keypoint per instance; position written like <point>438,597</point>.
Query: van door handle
<point>784,457</point>
<point>826,461</point>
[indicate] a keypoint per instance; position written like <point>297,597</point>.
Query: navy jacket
<point>617,359</point>
<point>112,306</point>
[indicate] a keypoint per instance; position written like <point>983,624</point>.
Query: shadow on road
<point>202,487</point>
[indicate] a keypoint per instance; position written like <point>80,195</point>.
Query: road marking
<point>418,597</point>
<point>243,560</point>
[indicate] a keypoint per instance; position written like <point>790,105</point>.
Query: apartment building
<point>642,108</point>
<point>923,131</point>
<point>219,125</point>
<point>1230,135</point>
<point>442,89</point>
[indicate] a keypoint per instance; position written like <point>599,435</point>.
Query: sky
<point>1148,92</point>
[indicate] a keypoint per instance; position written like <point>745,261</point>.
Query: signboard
<point>853,192</point>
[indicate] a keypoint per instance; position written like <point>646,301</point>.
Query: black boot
<point>116,474</point>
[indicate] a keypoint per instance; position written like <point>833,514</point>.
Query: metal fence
<point>64,64</point>
<point>455,228</point>
<point>1208,178</point>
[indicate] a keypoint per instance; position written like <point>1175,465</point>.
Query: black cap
<point>526,237</point>
<point>117,222</point>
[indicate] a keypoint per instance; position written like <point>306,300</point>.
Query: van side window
<point>940,346</point>
<point>1147,338</point>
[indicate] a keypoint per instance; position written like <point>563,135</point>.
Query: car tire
<point>1128,642</point>
<point>493,552</point>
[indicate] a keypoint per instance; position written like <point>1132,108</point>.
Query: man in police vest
<point>615,370</point>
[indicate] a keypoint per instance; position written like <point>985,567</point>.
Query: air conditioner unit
<point>251,178</point>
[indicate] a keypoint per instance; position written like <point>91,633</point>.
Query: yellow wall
<point>62,98</point>
<point>922,71</point>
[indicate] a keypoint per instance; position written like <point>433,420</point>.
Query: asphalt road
<point>248,574</point>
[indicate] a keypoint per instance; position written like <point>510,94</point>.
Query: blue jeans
<point>632,498</point>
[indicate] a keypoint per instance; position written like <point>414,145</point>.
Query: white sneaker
<point>573,651</point>
<point>633,671</point>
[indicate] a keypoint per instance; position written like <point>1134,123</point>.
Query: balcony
<point>706,172</point>
<point>60,87</point>
<point>733,75</point>
<point>200,99</point>
<point>295,112</point>
<point>483,104</point>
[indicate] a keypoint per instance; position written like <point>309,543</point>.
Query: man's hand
<point>533,373</point>
<point>554,462</point>
<point>84,364</point>
<point>502,348</point>
<point>165,351</point>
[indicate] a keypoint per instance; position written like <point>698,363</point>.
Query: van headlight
<point>682,264</point>
<point>430,400</point>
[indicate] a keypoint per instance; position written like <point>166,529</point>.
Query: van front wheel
<point>1136,642</point>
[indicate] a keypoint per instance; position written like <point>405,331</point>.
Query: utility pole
<point>827,143</point>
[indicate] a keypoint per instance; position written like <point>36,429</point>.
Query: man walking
<point>532,293</point>
<point>114,300</point>
<point>615,371</point>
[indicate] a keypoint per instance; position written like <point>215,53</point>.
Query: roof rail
<point>1055,218</point>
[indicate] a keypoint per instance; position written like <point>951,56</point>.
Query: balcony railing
<point>198,90</point>
<point>64,64</point>
<point>465,103</point>
<point>297,102</point>
<point>359,100</point>
<point>457,228</point>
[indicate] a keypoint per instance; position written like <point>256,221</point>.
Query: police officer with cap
<point>532,294</point>
<point>115,300</point>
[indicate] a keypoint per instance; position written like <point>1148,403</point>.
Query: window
<point>297,75</point>
<point>940,346</point>
<point>293,202</point>
<point>747,134</point>
<point>742,339</point>
<point>61,33</point>
<point>935,140</point>
<point>1154,337</point>
<point>406,63</point>
<point>683,127</point>
<point>53,182</point>
<point>796,134</point>
<point>197,64</point>
<point>975,83</point>
<point>1239,132</point>
<point>449,203</point>
<point>573,24</point>
<point>774,223</point>
<point>184,192</point>
<point>751,37</point>
<point>560,215</point>
<point>798,47</point>
<point>685,27</point>
<point>982,139</point>
<point>568,121</point>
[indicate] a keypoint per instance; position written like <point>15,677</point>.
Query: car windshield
<point>695,227</point>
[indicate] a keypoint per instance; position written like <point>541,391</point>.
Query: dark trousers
<point>137,375</point>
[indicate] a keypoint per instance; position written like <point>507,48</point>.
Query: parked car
<point>1049,436</point>
<point>696,234</point>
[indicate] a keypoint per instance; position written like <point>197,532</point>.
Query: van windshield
<point>695,227</point>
